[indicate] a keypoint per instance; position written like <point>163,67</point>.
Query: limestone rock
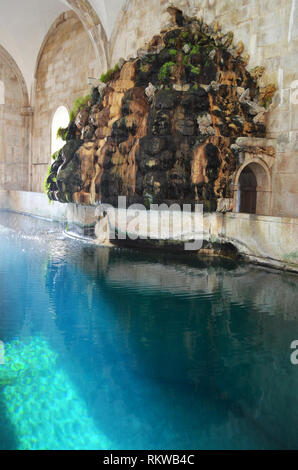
<point>239,48</point>
<point>257,72</point>
<point>246,59</point>
<point>227,39</point>
<point>259,118</point>
<point>81,119</point>
<point>212,54</point>
<point>156,44</point>
<point>165,127</point>
<point>186,49</point>
<point>245,96</point>
<point>224,205</point>
<point>252,107</point>
<point>267,93</point>
<point>141,53</point>
<point>121,62</point>
<point>213,87</point>
<point>179,87</point>
<point>216,26</point>
<point>205,124</point>
<point>150,91</point>
<point>176,15</point>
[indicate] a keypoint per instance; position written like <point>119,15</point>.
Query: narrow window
<point>60,119</point>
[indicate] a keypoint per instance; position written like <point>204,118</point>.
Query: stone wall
<point>269,30</point>
<point>30,203</point>
<point>265,240</point>
<point>270,241</point>
<point>67,60</point>
<point>13,151</point>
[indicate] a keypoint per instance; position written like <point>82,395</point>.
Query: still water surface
<point>120,349</point>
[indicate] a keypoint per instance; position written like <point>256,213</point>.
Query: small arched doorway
<point>248,191</point>
<point>253,189</point>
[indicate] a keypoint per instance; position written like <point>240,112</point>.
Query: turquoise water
<point>118,349</point>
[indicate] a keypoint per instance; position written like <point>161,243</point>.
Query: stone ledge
<point>265,240</point>
<point>256,142</point>
<point>266,218</point>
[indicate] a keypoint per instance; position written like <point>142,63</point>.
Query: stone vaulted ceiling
<point>25,23</point>
<point>107,11</point>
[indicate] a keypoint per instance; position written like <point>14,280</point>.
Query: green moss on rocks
<point>106,77</point>
<point>185,34</point>
<point>153,145</point>
<point>79,104</point>
<point>194,50</point>
<point>62,133</point>
<point>195,70</point>
<point>166,70</point>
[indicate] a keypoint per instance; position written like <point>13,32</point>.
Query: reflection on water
<point>159,351</point>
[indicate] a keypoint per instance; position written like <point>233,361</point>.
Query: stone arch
<point>65,61</point>
<point>94,28</point>
<point>15,119</point>
<point>252,185</point>
<point>91,24</point>
<point>7,58</point>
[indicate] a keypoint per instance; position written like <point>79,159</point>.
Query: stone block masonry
<point>13,154</point>
<point>66,62</point>
<point>269,30</point>
<point>270,241</point>
<point>164,128</point>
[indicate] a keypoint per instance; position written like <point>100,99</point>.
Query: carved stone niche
<point>252,182</point>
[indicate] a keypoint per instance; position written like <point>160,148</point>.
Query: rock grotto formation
<point>163,127</point>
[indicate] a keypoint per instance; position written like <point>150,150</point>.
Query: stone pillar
<point>27,113</point>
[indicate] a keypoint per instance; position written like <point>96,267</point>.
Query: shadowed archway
<point>253,188</point>
<point>248,191</point>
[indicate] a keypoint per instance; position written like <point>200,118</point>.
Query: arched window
<point>2,92</point>
<point>60,119</point>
